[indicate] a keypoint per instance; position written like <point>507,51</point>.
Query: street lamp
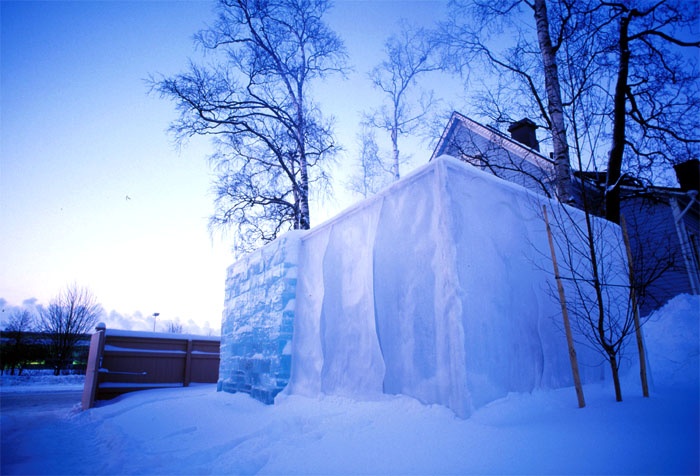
<point>155,315</point>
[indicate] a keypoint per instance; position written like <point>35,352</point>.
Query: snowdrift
<point>438,288</point>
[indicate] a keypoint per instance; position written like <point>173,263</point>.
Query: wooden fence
<point>126,361</point>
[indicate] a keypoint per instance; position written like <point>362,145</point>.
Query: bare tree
<point>15,353</point>
<point>371,174</point>
<point>175,327</point>
<point>255,100</point>
<point>598,291</point>
<point>654,88</point>
<point>606,297</point>
<point>629,91</point>
<point>555,106</point>
<point>527,81</point>
<point>70,315</point>
<point>627,84</point>
<point>408,55</point>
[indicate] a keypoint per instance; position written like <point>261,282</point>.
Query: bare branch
<point>271,138</point>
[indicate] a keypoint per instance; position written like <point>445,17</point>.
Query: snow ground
<point>199,431</point>
<point>40,381</point>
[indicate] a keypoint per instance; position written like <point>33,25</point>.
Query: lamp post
<point>155,315</point>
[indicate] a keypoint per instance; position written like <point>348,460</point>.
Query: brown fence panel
<point>126,361</point>
<point>205,361</point>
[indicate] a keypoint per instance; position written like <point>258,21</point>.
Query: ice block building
<point>439,288</point>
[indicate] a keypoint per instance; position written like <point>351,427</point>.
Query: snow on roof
<point>160,335</point>
<point>492,135</point>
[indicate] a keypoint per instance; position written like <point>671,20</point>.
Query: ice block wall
<point>437,288</point>
<point>257,325</point>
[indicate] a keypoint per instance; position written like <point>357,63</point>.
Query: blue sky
<point>92,188</point>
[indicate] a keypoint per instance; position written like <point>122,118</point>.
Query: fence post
<point>97,342</point>
<point>188,364</point>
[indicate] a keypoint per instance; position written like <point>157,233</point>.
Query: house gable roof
<point>458,120</point>
<point>631,185</point>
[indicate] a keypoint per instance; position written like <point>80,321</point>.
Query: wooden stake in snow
<point>565,316</point>
<point>635,308</point>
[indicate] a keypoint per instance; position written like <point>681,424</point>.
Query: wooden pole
<point>635,308</point>
<point>92,373</point>
<point>565,316</point>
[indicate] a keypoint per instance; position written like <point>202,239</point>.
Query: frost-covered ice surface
<point>437,288</point>
<point>200,431</point>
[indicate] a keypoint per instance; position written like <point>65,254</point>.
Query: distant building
<point>30,350</point>
<point>663,223</point>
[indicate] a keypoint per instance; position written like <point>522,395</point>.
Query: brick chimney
<point>688,174</point>
<point>523,131</point>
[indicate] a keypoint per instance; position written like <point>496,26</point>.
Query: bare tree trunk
<point>554,104</point>
<point>395,151</point>
<point>605,343</point>
<point>614,367</point>
<point>304,215</point>
<point>597,283</point>
<point>617,150</point>
<point>635,309</point>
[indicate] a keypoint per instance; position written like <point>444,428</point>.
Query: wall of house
<point>664,265</point>
<point>687,218</point>
<point>258,318</point>
<point>651,228</point>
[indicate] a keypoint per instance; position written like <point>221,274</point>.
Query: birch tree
<point>409,55</point>
<point>555,107</point>
<point>254,99</point>
<point>627,75</point>
<point>371,175</point>
<point>527,81</point>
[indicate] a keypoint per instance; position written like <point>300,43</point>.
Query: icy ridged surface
<point>438,288</point>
